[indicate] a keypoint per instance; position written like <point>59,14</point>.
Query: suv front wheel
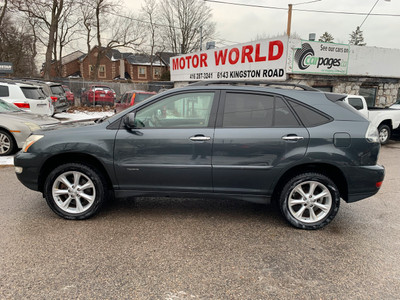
<point>309,201</point>
<point>75,191</point>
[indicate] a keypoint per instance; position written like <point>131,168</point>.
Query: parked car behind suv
<point>304,149</point>
<point>131,98</point>
<point>29,97</point>
<point>98,95</point>
<point>69,95</point>
<point>16,125</point>
<point>56,93</point>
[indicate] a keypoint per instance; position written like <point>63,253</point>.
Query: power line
<point>303,10</point>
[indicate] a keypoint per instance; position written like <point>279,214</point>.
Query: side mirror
<point>129,121</point>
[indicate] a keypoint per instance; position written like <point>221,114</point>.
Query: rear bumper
<point>362,181</point>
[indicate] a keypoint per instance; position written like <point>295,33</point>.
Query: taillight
<point>54,99</point>
<point>379,184</point>
<point>133,99</point>
<point>22,105</point>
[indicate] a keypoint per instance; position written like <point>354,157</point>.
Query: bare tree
<point>118,33</point>
<point>151,14</point>
<point>48,13</point>
<point>67,32</point>
<point>188,24</point>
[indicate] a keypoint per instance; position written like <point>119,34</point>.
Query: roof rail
<point>259,83</point>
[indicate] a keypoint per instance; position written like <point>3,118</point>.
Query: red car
<point>130,98</point>
<point>69,95</point>
<point>98,95</point>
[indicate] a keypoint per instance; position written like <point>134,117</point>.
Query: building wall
<point>387,89</point>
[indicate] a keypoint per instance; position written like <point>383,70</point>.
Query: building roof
<point>165,56</point>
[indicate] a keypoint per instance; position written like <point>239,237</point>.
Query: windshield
<point>6,107</point>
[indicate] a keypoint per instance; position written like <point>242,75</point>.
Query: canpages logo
<point>305,57</point>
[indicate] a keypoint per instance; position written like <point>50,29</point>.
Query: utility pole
<point>201,38</point>
<point>289,19</point>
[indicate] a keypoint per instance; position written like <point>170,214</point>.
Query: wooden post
<point>289,21</point>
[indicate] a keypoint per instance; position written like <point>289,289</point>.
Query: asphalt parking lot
<point>199,249</point>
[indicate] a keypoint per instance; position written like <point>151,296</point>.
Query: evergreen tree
<point>356,38</point>
<point>326,38</point>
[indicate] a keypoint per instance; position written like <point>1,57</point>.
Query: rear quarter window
<point>32,93</point>
<point>4,92</point>
<point>310,117</point>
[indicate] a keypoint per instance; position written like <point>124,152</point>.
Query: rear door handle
<point>292,138</point>
<point>200,138</point>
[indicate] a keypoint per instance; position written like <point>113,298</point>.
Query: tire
<point>384,134</point>
<point>69,202</point>
<point>300,206</point>
<point>7,143</point>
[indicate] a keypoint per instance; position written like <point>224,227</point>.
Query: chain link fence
<point>78,85</point>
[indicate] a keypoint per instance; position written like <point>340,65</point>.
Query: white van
<point>28,97</point>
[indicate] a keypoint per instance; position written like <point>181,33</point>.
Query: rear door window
<point>256,110</point>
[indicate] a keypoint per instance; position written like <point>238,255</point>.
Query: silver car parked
<point>16,125</point>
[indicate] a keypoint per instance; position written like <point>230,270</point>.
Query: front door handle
<point>294,138</point>
<point>200,138</point>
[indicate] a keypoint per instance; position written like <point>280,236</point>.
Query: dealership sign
<point>320,58</point>
<point>6,67</point>
<point>264,59</point>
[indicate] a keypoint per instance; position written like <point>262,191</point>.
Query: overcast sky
<point>242,24</point>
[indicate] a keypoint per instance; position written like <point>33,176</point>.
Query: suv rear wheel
<point>309,201</point>
<point>75,191</point>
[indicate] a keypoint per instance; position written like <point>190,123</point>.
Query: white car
<point>16,125</point>
<point>28,97</point>
<point>395,105</point>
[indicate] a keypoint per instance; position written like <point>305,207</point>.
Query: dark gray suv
<point>304,149</point>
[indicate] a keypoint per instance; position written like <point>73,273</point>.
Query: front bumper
<point>30,169</point>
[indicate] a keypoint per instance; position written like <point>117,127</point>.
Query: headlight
<point>30,141</point>
<point>372,134</point>
<point>32,126</point>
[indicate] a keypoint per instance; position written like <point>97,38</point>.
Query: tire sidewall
<point>91,173</point>
<point>296,180</point>
<point>379,132</point>
<point>12,143</point>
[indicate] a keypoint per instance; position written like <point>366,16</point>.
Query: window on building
<point>156,73</point>
<point>369,93</point>
<point>102,71</point>
<point>325,88</point>
<point>142,72</point>
<point>398,96</point>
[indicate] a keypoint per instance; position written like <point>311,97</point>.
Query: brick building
<point>114,65</point>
